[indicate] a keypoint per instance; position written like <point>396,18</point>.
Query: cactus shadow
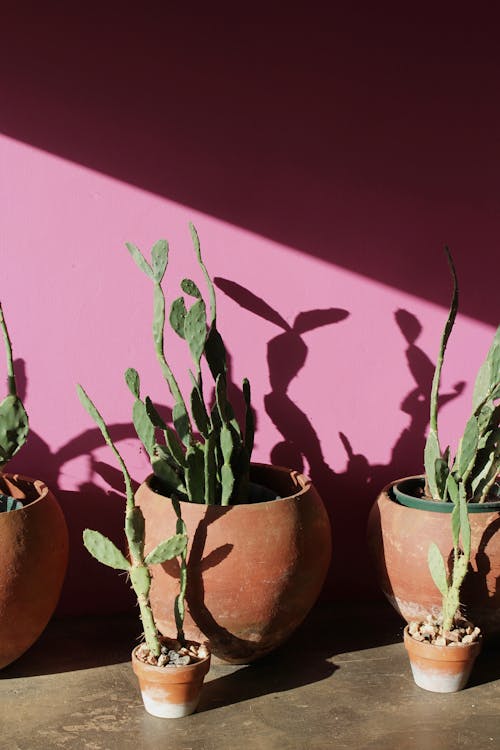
<point>364,480</point>
<point>83,508</point>
<point>286,356</point>
<point>349,494</point>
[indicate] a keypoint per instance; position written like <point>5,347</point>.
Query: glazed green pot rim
<point>400,493</point>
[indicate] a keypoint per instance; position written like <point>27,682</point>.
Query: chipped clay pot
<point>399,538</point>
<point>33,561</point>
<point>170,692</point>
<point>254,570</point>
<point>440,669</point>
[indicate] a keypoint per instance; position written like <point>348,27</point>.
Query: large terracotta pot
<point>399,539</point>
<point>33,561</point>
<point>254,570</point>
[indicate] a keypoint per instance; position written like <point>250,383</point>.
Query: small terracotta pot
<point>170,692</point>
<point>440,669</point>
<point>399,539</point>
<point>254,570</point>
<point>33,561</point>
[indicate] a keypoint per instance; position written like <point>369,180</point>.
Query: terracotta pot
<point>399,539</point>
<point>170,692</point>
<point>254,570</point>
<point>33,561</point>
<point>440,669</point>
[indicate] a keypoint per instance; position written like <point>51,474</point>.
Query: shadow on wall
<point>348,495</point>
<point>89,587</point>
<point>325,128</point>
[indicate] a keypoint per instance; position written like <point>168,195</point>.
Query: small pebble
<point>428,629</point>
<point>469,638</point>
<point>202,652</point>
<point>413,627</point>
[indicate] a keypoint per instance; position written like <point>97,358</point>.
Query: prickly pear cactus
<point>136,566</point>
<point>206,457</point>
<point>14,425</point>
<point>449,586</point>
<point>476,464</point>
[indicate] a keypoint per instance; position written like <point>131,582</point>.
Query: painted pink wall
<point>324,166</point>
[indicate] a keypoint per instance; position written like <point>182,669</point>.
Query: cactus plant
<point>206,458</point>
<point>14,425</point>
<point>137,563</point>
<point>476,465</point>
<point>450,585</point>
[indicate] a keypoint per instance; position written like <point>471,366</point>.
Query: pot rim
<point>304,485</point>
<point>409,501</point>
<point>201,664</point>
<point>38,484</point>
<point>426,650</point>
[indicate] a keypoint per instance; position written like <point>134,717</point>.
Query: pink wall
<point>324,162</point>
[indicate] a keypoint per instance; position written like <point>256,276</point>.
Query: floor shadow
<point>487,665</point>
<point>308,656</point>
<point>73,643</point>
<point>264,678</point>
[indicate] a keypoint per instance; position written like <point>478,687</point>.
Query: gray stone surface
<point>343,681</point>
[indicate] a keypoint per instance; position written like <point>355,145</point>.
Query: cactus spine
<point>137,568</point>
<point>14,425</point>
<point>214,467</point>
<point>476,464</point>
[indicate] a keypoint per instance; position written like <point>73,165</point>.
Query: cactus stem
<point>11,378</point>
<point>444,341</point>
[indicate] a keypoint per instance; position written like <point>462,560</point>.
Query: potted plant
<point>33,534</point>
<point>259,536</point>
<point>410,513</point>
<point>170,671</point>
<point>442,650</point>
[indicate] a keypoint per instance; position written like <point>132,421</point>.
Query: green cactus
<point>207,457</point>
<point>476,464</point>
<point>136,566</point>
<point>450,586</point>
<point>14,425</point>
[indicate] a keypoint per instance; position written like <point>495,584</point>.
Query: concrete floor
<point>333,685</point>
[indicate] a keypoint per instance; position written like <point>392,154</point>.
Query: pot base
<point>156,705</point>
<point>440,669</point>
